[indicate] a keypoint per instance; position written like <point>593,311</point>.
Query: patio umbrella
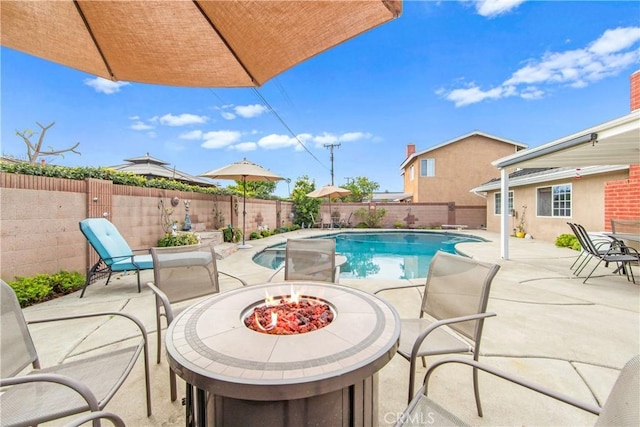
<point>205,43</point>
<point>329,191</point>
<point>243,171</point>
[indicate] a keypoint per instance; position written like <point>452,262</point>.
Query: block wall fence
<point>39,218</point>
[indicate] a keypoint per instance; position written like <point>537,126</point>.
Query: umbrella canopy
<point>329,191</point>
<point>198,43</point>
<point>243,171</point>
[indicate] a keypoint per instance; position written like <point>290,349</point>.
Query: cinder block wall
<point>39,218</point>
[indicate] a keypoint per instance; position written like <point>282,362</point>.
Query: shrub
<point>232,235</point>
<point>265,233</point>
<point>43,287</point>
<point>568,241</point>
<point>180,239</point>
<point>398,224</point>
<point>255,235</point>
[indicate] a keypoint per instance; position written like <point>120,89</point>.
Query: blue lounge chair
<point>115,254</point>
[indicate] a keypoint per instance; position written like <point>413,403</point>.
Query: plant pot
<point>520,234</point>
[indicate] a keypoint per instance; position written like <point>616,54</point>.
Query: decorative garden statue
<point>187,219</point>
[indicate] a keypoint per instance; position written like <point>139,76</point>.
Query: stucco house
<point>444,173</point>
<point>549,197</point>
<point>589,177</point>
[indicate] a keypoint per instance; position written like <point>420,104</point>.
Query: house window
<point>411,173</point>
<point>428,167</point>
<point>497,203</point>
<point>554,201</point>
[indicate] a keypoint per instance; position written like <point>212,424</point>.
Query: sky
<point>525,71</point>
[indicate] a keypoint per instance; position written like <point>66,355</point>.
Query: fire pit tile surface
<point>211,348</point>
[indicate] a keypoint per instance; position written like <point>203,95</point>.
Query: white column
<point>504,214</point>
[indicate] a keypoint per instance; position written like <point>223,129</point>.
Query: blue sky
<point>526,71</point>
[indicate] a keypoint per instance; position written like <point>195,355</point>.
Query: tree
<point>34,151</point>
<point>255,189</point>
<point>361,189</point>
<point>304,206</point>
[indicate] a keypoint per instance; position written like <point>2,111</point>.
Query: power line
<point>275,113</point>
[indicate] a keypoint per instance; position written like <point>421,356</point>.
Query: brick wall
<point>635,90</point>
<point>622,198</point>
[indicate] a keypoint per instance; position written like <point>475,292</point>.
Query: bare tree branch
<point>35,151</point>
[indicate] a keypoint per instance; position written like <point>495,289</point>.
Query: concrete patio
<point>550,328</point>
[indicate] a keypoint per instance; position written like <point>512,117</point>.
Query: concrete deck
<point>551,328</point>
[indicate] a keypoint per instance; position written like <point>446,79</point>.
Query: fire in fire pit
<point>289,315</point>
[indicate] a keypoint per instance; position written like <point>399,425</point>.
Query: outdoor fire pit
<point>323,373</point>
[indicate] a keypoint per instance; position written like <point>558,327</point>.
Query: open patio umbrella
<point>243,171</point>
<point>329,191</point>
<point>197,43</point>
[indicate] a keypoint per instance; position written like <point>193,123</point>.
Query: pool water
<point>381,255</point>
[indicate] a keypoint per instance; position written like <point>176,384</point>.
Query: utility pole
<point>330,147</point>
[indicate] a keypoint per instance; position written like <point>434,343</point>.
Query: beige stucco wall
<point>459,167</point>
<point>587,206</point>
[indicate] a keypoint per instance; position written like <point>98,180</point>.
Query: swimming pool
<point>381,255</point>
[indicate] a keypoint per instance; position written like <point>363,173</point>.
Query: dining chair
<point>310,259</point>
<point>41,394</point>
<point>621,408</point>
<point>452,313</point>
<point>182,273</point>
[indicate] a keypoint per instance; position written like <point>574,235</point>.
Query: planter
<point>520,234</point>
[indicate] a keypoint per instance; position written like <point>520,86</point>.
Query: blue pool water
<point>381,255</point>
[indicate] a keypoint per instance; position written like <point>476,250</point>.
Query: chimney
<point>411,148</point>
<point>635,90</point>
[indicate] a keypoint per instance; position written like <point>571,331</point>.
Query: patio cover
<point>616,142</point>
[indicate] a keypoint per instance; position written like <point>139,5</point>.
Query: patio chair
<point>622,255</point>
<point>96,416</point>
<point>182,273</point>
<point>31,397</point>
<point>622,407</point>
<point>310,259</point>
<point>115,254</point>
<point>452,313</point>
<point>602,244</point>
<point>317,224</point>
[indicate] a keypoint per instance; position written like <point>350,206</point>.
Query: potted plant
<point>520,228</point>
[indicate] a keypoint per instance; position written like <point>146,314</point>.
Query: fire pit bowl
<point>326,377</point>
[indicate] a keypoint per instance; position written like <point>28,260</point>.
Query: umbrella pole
<point>244,209</point>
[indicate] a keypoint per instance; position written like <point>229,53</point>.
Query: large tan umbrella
<point>243,171</point>
<point>211,43</point>
<point>329,191</point>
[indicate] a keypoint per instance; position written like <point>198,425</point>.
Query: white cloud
<point>607,56</point>
<point>101,85</point>
<point>354,136</point>
<point>245,146</point>
<point>249,111</point>
<point>180,120</point>
<point>325,138</point>
<point>493,8</point>
<point>275,141</point>
<point>194,134</point>
<point>139,125</point>
<point>220,138</point>
<point>227,115</point>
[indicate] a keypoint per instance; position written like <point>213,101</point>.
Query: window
<point>411,173</point>
<point>497,203</point>
<point>428,167</point>
<point>554,201</point>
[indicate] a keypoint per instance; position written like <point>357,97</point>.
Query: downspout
<point>504,214</point>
